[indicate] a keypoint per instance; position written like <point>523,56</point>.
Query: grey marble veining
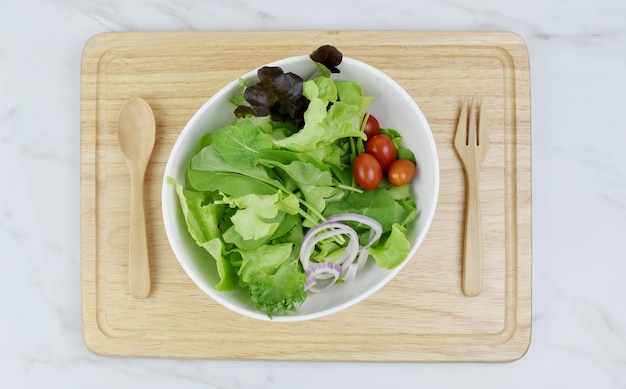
<point>578,78</point>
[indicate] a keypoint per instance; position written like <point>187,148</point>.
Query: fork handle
<point>473,245</point>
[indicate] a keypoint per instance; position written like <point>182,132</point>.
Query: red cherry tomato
<point>372,128</point>
<point>401,172</point>
<point>367,171</point>
<point>383,149</point>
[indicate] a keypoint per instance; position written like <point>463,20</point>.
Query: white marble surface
<point>578,78</point>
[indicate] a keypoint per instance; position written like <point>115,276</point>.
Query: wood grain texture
<point>422,314</point>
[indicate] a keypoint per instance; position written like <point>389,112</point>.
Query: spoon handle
<point>138,264</point>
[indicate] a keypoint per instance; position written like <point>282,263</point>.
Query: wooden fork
<point>471,143</point>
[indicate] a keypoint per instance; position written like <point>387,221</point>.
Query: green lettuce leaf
<point>323,125</point>
<point>202,219</point>
<point>203,225</point>
<point>225,270</point>
<point>274,278</point>
<point>392,249</point>
<point>351,93</point>
<point>258,216</point>
<point>287,224</point>
<point>323,88</point>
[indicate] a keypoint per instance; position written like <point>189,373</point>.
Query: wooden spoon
<point>136,130</point>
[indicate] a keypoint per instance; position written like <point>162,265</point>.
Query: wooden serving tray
<point>422,314</point>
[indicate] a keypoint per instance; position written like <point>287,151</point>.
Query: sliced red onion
<point>362,258</point>
<point>322,275</point>
<point>310,280</point>
<point>327,272</point>
<point>350,272</point>
<point>376,229</point>
<point>311,239</point>
<point>350,269</point>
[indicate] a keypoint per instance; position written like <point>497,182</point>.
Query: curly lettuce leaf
<point>323,124</point>
<point>259,216</point>
<point>273,276</point>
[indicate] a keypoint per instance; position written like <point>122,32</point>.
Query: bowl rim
<point>255,314</point>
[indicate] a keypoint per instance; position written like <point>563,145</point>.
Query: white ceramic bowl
<point>393,107</point>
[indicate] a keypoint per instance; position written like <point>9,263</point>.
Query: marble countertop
<point>578,78</point>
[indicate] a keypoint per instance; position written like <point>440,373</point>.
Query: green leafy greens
<point>256,186</point>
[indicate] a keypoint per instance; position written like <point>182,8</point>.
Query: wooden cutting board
<point>422,314</point>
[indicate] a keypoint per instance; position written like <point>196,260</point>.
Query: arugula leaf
<point>229,183</point>
<point>377,204</point>
<point>204,141</point>
<point>317,196</point>
<point>271,157</point>
<point>405,211</point>
<point>240,143</point>
<point>208,159</point>
<point>303,172</point>
<point>314,179</point>
<point>395,136</point>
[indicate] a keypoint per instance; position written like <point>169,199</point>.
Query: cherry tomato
<point>401,172</point>
<point>383,149</point>
<point>372,128</point>
<point>367,171</point>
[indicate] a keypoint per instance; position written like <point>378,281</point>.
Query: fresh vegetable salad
<point>301,190</point>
